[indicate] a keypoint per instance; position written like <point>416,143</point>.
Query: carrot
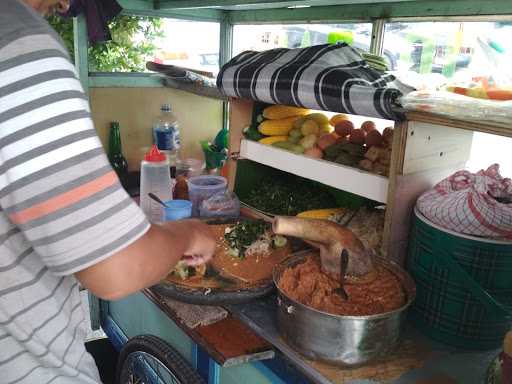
<point>499,94</point>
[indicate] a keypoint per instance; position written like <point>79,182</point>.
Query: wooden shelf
<point>480,126</point>
<point>198,89</point>
<point>348,179</point>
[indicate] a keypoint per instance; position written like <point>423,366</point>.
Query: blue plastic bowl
<point>177,210</point>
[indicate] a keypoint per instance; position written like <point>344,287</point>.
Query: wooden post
<point>81,43</point>
<point>423,154</point>
<point>240,114</point>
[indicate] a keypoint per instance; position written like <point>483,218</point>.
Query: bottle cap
<point>154,155</point>
<point>165,107</point>
<point>114,124</point>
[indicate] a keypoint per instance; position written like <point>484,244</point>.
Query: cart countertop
<point>416,360</point>
<point>229,341</point>
<point>250,333</point>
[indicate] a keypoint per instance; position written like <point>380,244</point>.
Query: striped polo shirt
<point>62,208</point>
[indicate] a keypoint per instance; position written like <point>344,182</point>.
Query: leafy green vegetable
<point>252,133</point>
<point>183,270</point>
<point>242,235</point>
<point>288,197</point>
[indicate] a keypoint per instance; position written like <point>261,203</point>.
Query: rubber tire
<point>162,351</point>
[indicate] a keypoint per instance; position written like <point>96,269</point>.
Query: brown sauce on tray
<point>307,284</point>
<point>244,272</point>
<point>252,267</point>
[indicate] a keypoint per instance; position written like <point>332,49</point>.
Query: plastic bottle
<point>166,132</point>
<point>155,177</point>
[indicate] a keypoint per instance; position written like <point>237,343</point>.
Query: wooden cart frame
<point>426,148</point>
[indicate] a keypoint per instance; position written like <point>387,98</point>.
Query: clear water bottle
<point>155,178</point>
<point>166,132</point>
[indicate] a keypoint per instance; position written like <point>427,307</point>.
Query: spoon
<point>157,199</point>
<point>343,270</point>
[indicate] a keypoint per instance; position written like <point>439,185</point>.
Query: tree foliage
<point>64,28</point>
<point>133,43</point>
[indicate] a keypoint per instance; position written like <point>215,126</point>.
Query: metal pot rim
<point>406,280</point>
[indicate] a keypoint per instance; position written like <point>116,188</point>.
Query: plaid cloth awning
<point>326,77</point>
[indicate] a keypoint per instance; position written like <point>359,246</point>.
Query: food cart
<point>246,346</point>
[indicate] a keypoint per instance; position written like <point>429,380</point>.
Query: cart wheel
<point>148,359</point>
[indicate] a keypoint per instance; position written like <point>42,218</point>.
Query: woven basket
<point>464,286</point>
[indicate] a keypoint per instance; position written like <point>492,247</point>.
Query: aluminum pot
<point>336,339</point>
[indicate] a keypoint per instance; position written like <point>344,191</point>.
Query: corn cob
<point>283,111</point>
<point>273,139</point>
<point>321,213</point>
<point>279,127</point>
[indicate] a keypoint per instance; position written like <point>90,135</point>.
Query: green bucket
<point>464,286</point>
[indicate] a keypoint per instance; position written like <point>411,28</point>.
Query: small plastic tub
<point>203,187</point>
<point>177,210</point>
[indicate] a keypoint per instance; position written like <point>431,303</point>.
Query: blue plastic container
<point>203,187</point>
<point>177,210</point>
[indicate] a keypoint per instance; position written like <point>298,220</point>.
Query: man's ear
<point>62,6</point>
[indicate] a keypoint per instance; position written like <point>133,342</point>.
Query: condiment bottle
<point>155,178</point>
<point>115,152</point>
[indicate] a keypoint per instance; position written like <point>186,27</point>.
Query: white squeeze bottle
<point>155,177</point>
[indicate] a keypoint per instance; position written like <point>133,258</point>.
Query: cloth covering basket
<point>464,286</point>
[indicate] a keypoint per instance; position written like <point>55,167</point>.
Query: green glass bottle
<point>115,152</point>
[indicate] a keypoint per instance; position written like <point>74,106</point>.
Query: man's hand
<point>149,260</point>
<point>201,241</point>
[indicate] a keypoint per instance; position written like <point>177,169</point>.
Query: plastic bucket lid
<point>178,204</point>
<point>422,217</point>
<point>206,182</point>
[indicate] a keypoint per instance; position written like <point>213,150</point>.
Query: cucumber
<point>279,241</point>
<point>294,140</point>
<point>233,252</point>
<point>252,133</point>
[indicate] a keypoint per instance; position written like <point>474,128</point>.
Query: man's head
<point>49,7</point>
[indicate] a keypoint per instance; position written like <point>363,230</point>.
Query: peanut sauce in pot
<point>308,285</point>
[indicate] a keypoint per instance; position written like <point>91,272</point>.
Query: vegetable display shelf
<point>425,149</point>
<point>359,182</point>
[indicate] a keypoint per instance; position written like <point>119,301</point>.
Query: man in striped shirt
<point>64,218</point>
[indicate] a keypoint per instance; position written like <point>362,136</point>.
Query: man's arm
<point>57,186</point>
<point>148,260</point>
